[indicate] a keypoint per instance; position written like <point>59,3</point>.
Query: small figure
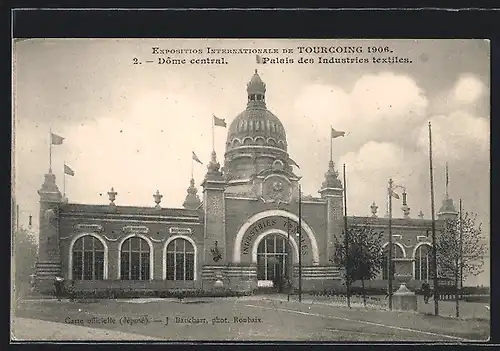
<point>426,290</point>
<point>71,291</point>
<point>58,287</point>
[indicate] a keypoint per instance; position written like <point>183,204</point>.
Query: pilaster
<point>214,186</point>
<point>49,261</point>
<point>332,191</point>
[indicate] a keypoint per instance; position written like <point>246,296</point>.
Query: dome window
<point>278,165</point>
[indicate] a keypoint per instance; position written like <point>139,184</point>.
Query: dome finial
<point>256,71</point>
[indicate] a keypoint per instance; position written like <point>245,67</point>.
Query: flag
<point>393,194</point>
<point>258,59</point>
<point>219,122</point>
<point>56,139</point>
<point>68,170</point>
<point>196,158</point>
<point>336,134</point>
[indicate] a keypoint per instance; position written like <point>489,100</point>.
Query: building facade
<point>241,232</point>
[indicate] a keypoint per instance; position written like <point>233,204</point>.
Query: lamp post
<point>299,229</point>
<point>391,193</point>
<point>288,258</point>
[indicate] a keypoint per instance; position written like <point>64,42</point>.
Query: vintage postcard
<point>251,190</point>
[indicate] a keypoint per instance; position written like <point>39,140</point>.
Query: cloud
<point>387,96</point>
<point>376,106</point>
<point>368,171</point>
<point>124,151</point>
<point>467,89</point>
<point>456,136</point>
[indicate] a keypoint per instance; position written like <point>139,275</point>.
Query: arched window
<point>88,259</point>
<point>272,262</point>
<point>423,263</point>
<point>397,252</point>
<point>180,260</point>
<point>135,259</point>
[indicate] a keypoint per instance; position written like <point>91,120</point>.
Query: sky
<point>133,126</point>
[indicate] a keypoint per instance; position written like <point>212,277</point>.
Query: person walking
<point>58,287</point>
<point>71,290</point>
<point>426,291</point>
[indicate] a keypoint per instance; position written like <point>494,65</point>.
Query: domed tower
<point>256,143</point>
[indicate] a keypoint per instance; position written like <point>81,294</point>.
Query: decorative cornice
<point>447,212</point>
<point>236,197</point>
<point>331,189</point>
<point>239,181</point>
<point>125,216</point>
<point>274,148</point>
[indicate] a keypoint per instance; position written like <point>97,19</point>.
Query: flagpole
<point>288,255</point>
<point>346,239</point>
<point>64,180</point>
<point>331,144</point>
<point>192,159</point>
<point>300,244</point>
<point>389,269</point>
<point>17,218</point>
<point>461,249</point>
<point>447,181</point>
<point>434,253</point>
<point>50,150</point>
<point>213,133</point>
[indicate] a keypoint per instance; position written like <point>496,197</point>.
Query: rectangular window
<point>170,265</point>
<point>125,270</point>
<point>190,266</point>
<point>77,265</point>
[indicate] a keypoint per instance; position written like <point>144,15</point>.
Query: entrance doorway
<point>273,263</point>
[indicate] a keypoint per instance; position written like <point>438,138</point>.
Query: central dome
<point>256,125</point>
<point>256,138</point>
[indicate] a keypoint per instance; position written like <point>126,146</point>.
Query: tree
<point>25,255</point>
<point>458,259</point>
<point>365,257</point>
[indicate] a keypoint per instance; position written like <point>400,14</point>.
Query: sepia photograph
<point>250,190</point>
